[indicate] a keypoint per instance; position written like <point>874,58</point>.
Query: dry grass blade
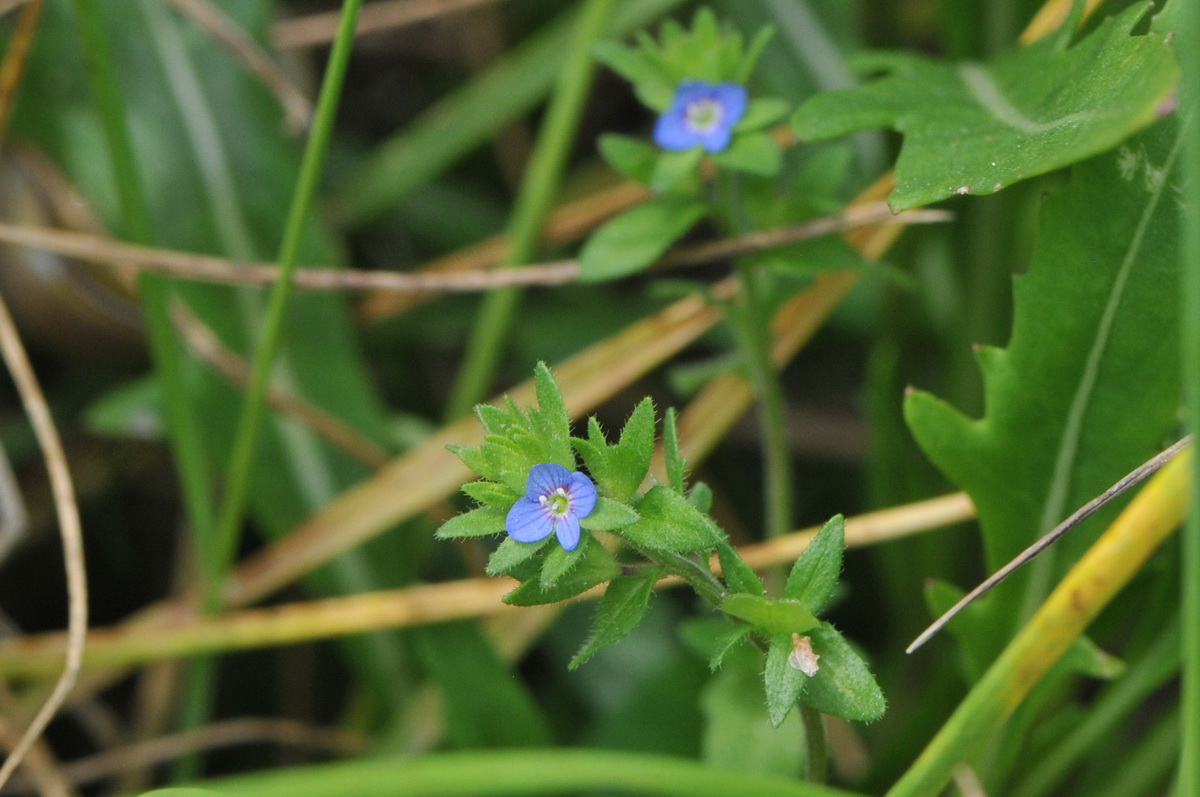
<point>69,527</point>
<point>411,606</point>
<point>207,16</point>
<point>374,18</point>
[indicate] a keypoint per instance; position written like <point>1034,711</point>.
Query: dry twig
<point>374,18</point>
<point>69,526</point>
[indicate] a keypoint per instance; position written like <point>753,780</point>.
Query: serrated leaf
<point>844,685</point>
<point>497,420</point>
<point>784,683</point>
<point>1088,386</point>
<point>669,523</point>
<point>620,611</point>
<point>975,128</point>
<point>510,554</point>
<point>551,419</point>
<point>481,522</point>
<point>635,239</point>
<point>595,567</point>
<point>632,157</point>
<point>736,572</point>
<point>816,571</point>
<point>491,494</point>
<point>773,615</point>
<point>676,464</point>
<point>609,515</point>
<point>756,153</point>
<point>629,459</point>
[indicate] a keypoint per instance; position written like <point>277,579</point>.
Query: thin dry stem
<point>96,249</point>
<point>248,730</point>
<point>42,769</point>
<point>205,344</point>
<point>69,526</point>
<point>225,32</point>
<point>374,18</point>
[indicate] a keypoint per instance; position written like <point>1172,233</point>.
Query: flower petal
<point>715,140</point>
<point>583,495</point>
<point>671,131</point>
<point>528,521</point>
<point>567,530</point>
<point>734,99</point>
<point>545,479</point>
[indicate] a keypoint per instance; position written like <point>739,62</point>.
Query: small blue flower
<point>701,113</point>
<point>555,499</point>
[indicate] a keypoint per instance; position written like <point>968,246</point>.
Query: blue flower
<point>555,499</point>
<point>701,113</point>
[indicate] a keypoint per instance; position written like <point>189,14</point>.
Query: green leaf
<point>491,494</point>
<point>1088,386</point>
<point>784,683</point>
<point>609,515</point>
<point>773,615</point>
<point>669,523</point>
<point>560,561</point>
<point>620,611</point>
<point>510,554</point>
<point>756,153</point>
<point>736,572</point>
<point>635,239</point>
<point>701,497</point>
<point>594,567</point>
<point>726,643</point>
<point>974,128</point>
<point>481,522</point>
<point>551,419</point>
<point>629,459</point>
<point>816,572</point>
<point>675,461</point>
<point>762,112</point>
<point>131,410</point>
<point>843,686</point>
<point>632,157</point>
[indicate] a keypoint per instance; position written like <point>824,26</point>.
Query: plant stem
<point>233,507</point>
<point>814,740</point>
<point>751,322</point>
<point>537,192</point>
<point>696,574</point>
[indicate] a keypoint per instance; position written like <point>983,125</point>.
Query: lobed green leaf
<point>619,612</point>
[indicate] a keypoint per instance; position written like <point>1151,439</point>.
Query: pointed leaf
<point>675,461</point>
<point>816,572</point>
<point>737,573</point>
<point>669,523</point>
<point>629,459</point>
<point>619,612</point>
<point>784,683</point>
<point>773,615</point>
<point>594,567</point>
<point>632,157</point>
<point>481,522</point>
<point>635,239</point>
<point>843,686</point>
<point>510,554</point>
<point>491,494</point>
<point>609,515</point>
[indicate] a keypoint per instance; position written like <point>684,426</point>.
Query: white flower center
<point>704,115</point>
<point>557,503</point>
